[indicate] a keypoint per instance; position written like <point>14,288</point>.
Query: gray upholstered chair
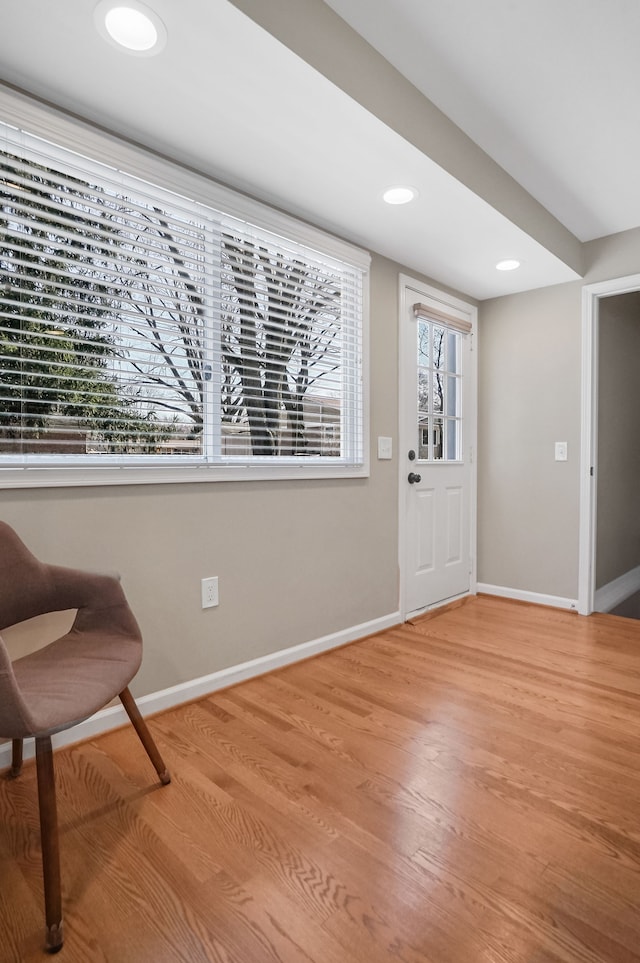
<point>64,682</point>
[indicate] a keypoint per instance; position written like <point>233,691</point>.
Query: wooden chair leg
<point>49,843</point>
<point>16,758</point>
<point>145,736</point>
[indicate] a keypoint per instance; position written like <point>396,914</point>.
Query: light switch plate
<point>561,451</point>
<point>385,448</point>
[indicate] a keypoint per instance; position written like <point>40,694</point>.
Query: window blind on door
<point>433,314</point>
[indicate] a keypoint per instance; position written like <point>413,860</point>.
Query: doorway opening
<point>609,566</point>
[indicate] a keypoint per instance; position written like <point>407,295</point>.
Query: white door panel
<point>454,499</point>
<point>425,560</point>
<point>437,539</point>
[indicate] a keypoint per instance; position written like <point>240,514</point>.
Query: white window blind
<point>138,327</point>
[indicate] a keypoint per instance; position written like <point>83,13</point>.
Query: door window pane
<point>439,401</point>
<point>452,437</point>
<point>423,434</point>
<point>437,438</point>
<point>423,391</point>
<point>423,342</point>
<point>453,343</point>
<point>438,392</point>
<point>452,406</point>
<point>439,347</point>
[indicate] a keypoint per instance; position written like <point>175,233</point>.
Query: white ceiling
<point>547,89</point>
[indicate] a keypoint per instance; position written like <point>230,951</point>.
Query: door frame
<point>441,300</point>
<point>591,295</point>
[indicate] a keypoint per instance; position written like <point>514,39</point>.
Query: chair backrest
<point>29,588</point>
<point>25,590</point>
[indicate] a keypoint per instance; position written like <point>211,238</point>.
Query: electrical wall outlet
<point>209,592</point>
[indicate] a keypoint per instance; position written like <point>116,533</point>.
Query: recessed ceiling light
<point>131,25</point>
<point>399,195</point>
<point>509,264</point>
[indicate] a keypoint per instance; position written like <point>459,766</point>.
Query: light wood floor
<point>464,790</point>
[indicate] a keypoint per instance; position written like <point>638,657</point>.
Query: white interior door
<point>437,405</point>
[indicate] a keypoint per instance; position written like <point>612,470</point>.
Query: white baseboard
<point>534,597</point>
<point>612,594</point>
<point>115,716</point>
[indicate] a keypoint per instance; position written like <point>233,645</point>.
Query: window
<point>439,401</point>
<point>140,328</point>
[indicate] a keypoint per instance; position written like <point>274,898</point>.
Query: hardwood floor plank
<point>20,938</point>
<point>464,789</point>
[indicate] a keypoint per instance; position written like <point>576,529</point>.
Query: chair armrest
<point>98,597</point>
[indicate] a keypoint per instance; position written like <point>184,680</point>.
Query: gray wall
<point>529,397</point>
<point>296,560</point>
<point>618,505</point>
<point>300,560</point>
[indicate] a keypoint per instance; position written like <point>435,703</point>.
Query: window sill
<point>81,477</point>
